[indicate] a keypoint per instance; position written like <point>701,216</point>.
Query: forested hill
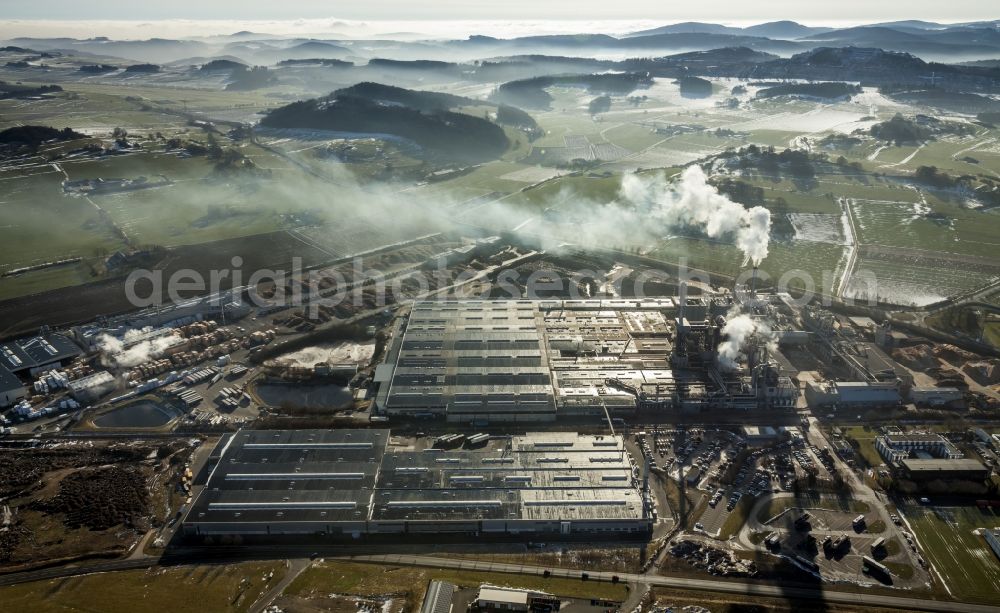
<point>420,100</point>
<point>421,117</point>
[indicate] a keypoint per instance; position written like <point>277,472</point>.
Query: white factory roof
<point>758,431</point>
<point>351,475</point>
<point>506,595</point>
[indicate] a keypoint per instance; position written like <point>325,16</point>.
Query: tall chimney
<point>683,301</point>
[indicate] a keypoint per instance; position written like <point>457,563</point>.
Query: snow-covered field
<point>820,119</point>
<point>533,174</point>
<point>893,291</point>
<point>819,227</point>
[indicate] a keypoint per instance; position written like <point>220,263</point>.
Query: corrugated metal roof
<point>306,476</point>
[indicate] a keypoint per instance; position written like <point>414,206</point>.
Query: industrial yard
<point>496,319</point>
<point>555,428</point>
<point>550,483</point>
<point>546,359</point>
<point>80,500</point>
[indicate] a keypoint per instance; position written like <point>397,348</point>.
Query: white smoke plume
<point>737,331</point>
<point>692,202</point>
<point>115,353</point>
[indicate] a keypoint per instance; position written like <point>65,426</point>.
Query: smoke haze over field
<point>648,207</point>
<point>693,203</point>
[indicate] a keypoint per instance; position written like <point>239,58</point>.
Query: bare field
<point>75,304</point>
<point>409,583</point>
<point>230,587</point>
<point>622,559</point>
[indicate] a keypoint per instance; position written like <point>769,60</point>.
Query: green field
<point>866,441</point>
<point>902,221</point>
<point>309,189</point>
<point>965,562</point>
<point>803,264</point>
<point>40,224</point>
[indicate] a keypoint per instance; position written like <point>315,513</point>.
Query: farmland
<point>330,194</point>
<point>33,206</point>
<point>950,538</point>
<point>67,305</point>
<point>919,277</point>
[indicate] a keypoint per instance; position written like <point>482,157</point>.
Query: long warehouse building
<point>490,361</point>
<point>358,483</point>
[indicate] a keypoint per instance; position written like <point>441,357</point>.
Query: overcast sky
<point>816,12</point>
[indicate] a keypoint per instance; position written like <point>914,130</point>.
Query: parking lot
<point>767,470</point>
<point>835,541</point>
<point>822,521</point>
<point>724,472</point>
<point>698,458</point>
<point>811,459</point>
<point>722,467</point>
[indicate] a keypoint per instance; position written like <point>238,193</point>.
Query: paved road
<point>58,572</point>
<point>293,570</point>
<point>636,593</point>
<point>745,588</point>
<point>854,245</point>
<point>875,502</point>
<point>708,585</point>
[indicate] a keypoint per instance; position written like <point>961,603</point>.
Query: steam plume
<point>116,354</point>
<point>737,331</point>
<point>692,202</point>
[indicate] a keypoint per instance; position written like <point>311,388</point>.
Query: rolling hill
<point>418,117</point>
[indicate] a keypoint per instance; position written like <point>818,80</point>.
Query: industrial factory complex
<point>528,421</point>
<point>520,420</point>
<point>532,361</point>
<point>516,316</point>
<point>357,483</point>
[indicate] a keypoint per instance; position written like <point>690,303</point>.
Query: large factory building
<point>360,483</point>
<point>27,357</point>
<point>480,362</point>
